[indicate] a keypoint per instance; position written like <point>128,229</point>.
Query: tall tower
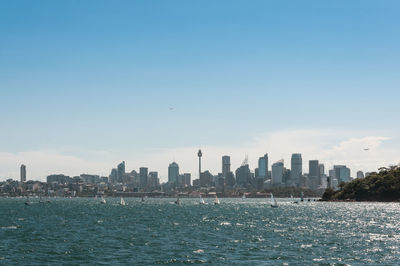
<point>23,173</point>
<point>199,154</point>
<point>296,168</point>
<point>226,165</point>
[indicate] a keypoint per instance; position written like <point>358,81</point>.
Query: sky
<point>85,85</point>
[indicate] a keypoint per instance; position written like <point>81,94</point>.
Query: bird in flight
<point>171,108</point>
<point>366,149</point>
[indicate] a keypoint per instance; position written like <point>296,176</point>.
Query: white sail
<point>103,201</point>
<point>216,200</point>
<point>201,200</point>
<point>122,202</point>
<point>273,201</point>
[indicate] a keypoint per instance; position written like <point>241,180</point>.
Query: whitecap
<point>9,227</point>
<point>198,251</point>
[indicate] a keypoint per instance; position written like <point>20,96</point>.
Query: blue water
<point>83,231</point>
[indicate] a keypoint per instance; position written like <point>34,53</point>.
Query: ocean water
<point>248,232</point>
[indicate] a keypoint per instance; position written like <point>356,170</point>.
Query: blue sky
<point>87,78</point>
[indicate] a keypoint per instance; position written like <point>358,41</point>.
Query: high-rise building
<point>277,173</point>
<point>120,172</point>
<point>321,167</point>
<point>263,166</point>
<point>360,174</point>
<point>206,179</point>
<point>113,176</point>
<point>230,180</point>
<point>153,180</point>
<point>313,174</point>
<point>23,173</point>
<point>342,173</point>
<point>296,170</point>
<point>226,165</point>
<point>143,176</point>
<point>173,173</point>
<point>188,177</point>
<point>243,176</point>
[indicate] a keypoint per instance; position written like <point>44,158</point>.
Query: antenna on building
<point>246,160</point>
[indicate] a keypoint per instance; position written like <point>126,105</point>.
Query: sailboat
<point>122,202</point>
<point>40,200</point>
<point>142,199</point>
<point>302,197</point>
<point>216,202</point>
<point>274,204</point>
<point>103,201</point>
<point>293,201</point>
<point>177,201</point>
<point>244,196</point>
<point>28,202</point>
<point>201,200</point>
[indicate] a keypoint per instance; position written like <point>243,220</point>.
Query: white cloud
<point>329,146</point>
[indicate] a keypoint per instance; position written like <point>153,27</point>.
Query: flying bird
<point>366,149</point>
<point>171,108</point>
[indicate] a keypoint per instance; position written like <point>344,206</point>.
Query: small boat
<point>177,201</point>
<point>201,200</point>
<point>103,201</point>
<point>302,197</point>
<point>216,201</point>
<point>274,204</point>
<point>293,201</point>
<point>122,202</point>
<point>28,202</point>
<point>40,200</point>
<point>142,199</point>
<point>244,196</point>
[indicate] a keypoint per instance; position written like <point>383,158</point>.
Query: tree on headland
<point>381,186</point>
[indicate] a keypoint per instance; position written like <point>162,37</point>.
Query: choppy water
<point>83,231</point>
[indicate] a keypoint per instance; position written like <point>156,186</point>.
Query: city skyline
<point>85,86</point>
<point>298,167</point>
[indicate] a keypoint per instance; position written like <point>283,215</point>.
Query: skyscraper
<point>23,173</point>
<point>342,173</point>
<point>296,168</point>
<point>263,166</point>
<point>143,176</point>
<point>313,173</point>
<point>243,175</point>
<point>173,173</point>
<point>226,165</point>
<point>188,179</point>
<point>277,173</point>
<point>120,172</point>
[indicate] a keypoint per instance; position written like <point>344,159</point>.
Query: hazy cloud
<point>329,146</point>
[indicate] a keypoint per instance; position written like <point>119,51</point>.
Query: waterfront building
<point>226,165</point>
<point>296,168</point>
<point>173,173</point>
<point>23,173</point>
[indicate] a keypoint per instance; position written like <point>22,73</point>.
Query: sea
<point>72,231</point>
